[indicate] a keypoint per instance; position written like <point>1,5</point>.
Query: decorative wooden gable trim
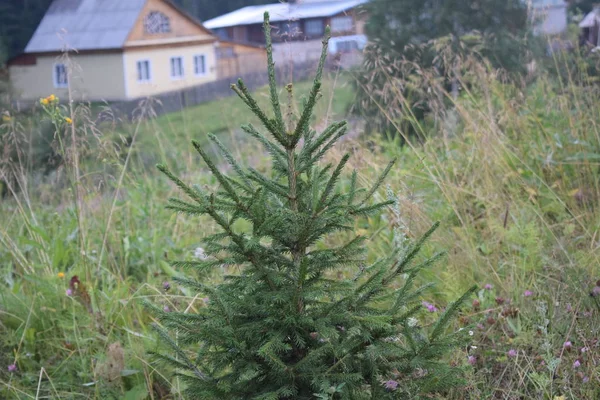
<point>160,19</point>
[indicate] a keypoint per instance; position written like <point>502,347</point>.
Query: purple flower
<point>512,353</point>
<point>430,307</point>
<point>569,307</point>
<point>596,291</point>
<point>567,345</point>
<point>480,326</point>
<point>391,385</point>
<point>69,292</point>
<point>166,309</point>
<point>472,360</point>
<point>585,379</point>
<point>488,286</point>
<point>576,364</point>
<point>528,293</point>
<point>166,286</point>
<point>584,349</point>
<point>205,300</point>
<point>12,368</point>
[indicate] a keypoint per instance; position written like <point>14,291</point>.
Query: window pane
<point>60,75</point>
<point>314,27</point>
<point>341,24</point>
<point>157,22</point>
<point>199,65</point>
<point>176,67</point>
<point>143,70</point>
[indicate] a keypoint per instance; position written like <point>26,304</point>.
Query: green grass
<point>516,185</point>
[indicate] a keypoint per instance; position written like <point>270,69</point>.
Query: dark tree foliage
<point>582,6</point>
<point>286,325</point>
<point>18,21</point>
<point>409,32</point>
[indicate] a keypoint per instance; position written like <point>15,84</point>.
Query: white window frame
<point>204,58</point>
<point>337,20</point>
<point>58,84</point>
<point>137,70</point>
<point>172,70</point>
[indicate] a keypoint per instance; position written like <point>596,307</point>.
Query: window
<point>313,27</point>
<point>61,79</point>
<point>157,22</point>
<point>176,67</point>
<point>143,71</point>
<point>341,24</point>
<point>223,33</point>
<point>347,46</point>
<point>200,64</point>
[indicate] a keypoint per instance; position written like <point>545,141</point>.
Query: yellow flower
<point>559,397</point>
<point>61,275</point>
<point>68,120</point>
<point>51,97</point>
<point>6,118</point>
<point>44,101</point>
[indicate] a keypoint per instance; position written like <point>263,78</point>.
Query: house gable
<point>160,20</point>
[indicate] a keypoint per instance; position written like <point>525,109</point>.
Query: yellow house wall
<point>160,69</point>
<point>91,77</point>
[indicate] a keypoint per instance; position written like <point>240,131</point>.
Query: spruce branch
<point>279,124</point>
<point>378,183</point>
<point>302,125</point>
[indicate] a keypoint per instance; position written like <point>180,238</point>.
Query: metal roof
<point>282,12</point>
<point>591,19</point>
<point>85,25</point>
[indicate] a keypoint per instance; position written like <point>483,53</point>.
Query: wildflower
<point>12,368</point>
<point>488,286</point>
<point>576,364</point>
<point>585,379</point>
<point>567,345</point>
<point>476,304</point>
<point>61,275</point>
<point>69,292</point>
<point>391,385</point>
<point>44,102</point>
<point>205,299</point>
<point>6,118</point>
<point>68,120</point>
<point>166,309</point>
<point>512,353</point>
<point>430,307</point>
<point>471,333</point>
<point>596,291</point>
<point>499,300</point>
<point>166,286</point>
<point>480,326</point>
<point>584,349</point>
<point>569,307</point>
<point>472,360</point>
<point>528,293</point>
<point>51,98</point>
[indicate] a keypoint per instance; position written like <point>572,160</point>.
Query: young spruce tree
<point>285,327</point>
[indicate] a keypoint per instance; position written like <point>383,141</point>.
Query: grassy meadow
<point>512,171</point>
